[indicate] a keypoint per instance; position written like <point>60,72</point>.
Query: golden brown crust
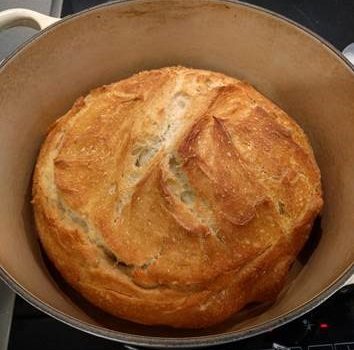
<point>175,197</point>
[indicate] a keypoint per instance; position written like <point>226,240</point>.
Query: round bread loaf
<point>175,197</point>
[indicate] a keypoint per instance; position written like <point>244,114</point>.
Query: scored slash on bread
<point>175,197</point>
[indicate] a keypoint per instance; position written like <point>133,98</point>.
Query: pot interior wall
<point>294,69</point>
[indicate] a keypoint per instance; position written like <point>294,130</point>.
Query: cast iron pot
<point>299,71</point>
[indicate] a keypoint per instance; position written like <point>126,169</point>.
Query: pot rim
<point>173,342</point>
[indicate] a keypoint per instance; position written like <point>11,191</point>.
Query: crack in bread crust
<point>164,197</point>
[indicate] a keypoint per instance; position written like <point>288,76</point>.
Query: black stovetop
<point>329,326</point>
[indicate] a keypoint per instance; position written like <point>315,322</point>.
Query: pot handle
<point>348,53</point>
<point>350,281</point>
<point>25,18</point>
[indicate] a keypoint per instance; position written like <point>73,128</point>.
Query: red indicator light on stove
<point>324,325</point>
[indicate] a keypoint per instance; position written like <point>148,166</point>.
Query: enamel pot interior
<point>298,71</point>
